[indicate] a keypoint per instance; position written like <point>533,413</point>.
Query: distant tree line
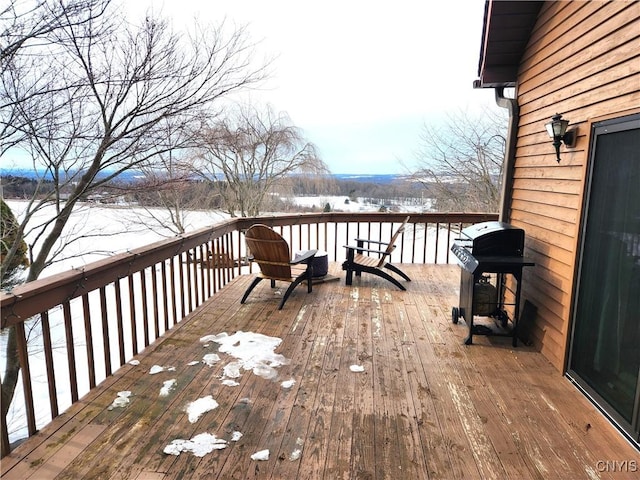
<point>23,187</point>
<point>197,194</point>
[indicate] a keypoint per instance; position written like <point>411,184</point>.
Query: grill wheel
<point>456,313</point>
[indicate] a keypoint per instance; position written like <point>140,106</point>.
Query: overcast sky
<point>360,78</point>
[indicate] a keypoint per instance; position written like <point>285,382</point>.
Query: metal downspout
<point>511,104</point>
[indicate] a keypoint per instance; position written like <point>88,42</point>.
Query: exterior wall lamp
<point>557,130</point>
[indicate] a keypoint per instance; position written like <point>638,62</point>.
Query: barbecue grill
<point>486,253</point>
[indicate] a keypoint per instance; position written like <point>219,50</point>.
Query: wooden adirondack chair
<point>271,252</point>
<point>361,259</point>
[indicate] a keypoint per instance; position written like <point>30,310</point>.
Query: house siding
<point>582,61</point>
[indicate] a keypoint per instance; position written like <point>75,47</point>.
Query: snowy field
<point>101,231</point>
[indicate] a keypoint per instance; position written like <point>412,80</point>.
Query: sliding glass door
<point>605,348</point>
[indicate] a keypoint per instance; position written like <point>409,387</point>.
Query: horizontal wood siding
<point>583,62</point>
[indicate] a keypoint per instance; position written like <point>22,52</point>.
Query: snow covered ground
<point>100,231</point>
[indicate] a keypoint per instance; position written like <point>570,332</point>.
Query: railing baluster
<point>317,239</point>
<point>401,245</point>
<point>226,247</point>
<point>426,237</point>
<point>299,230</point>
<point>174,296</point>
<point>435,255</point>
<point>207,266</point>
<point>413,244</point>
<point>227,272</point>
<point>240,239</point>
<point>189,291</point>
<point>132,314</point>
<point>145,305</point>
<point>219,268</point>
<point>106,341</point>
<point>48,359</point>
<point>4,434</point>
<point>192,284</point>
<point>222,276</point>
<point>233,255</point>
<point>71,354</point>
<point>200,263</point>
<point>204,272</point>
<point>194,275</point>
<point>165,296</point>
<point>326,237</point>
<point>119,321</point>
<point>346,234</point>
<point>23,356</point>
<point>183,308</point>
<point>91,366</point>
<point>154,296</point>
<point>448,241</point>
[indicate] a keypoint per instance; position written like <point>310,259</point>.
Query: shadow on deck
<point>425,407</point>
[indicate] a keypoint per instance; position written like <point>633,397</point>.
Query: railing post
<point>48,355</point>
<point>71,352</point>
<point>23,355</point>
<point>89,340</point>
<point>4,434</point>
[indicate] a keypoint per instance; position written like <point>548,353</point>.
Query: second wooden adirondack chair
<point>374,260</point>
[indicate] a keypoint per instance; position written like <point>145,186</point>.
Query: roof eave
<point>506,30</point>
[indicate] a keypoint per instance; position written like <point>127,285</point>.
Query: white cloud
<point>357,64</point>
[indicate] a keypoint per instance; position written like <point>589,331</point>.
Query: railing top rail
<point>343,217</point>
<point>26,300</point>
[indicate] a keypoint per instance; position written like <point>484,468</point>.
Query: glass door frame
<point>630,429</point>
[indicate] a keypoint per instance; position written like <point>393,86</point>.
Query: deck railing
<point>74,329</point>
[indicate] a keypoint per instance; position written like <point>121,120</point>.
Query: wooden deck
<point>425,407</point>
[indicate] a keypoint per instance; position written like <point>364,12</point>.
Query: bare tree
<point>89,97</point>
<point>170,189</point>
<point>28,28</point>
<point>28,23</point>
<point>10,275</point>
<point>249,153</point>
<point>111,89</point>
<point>8,238</point>
<point>460,162</point>
<point>168,196</point>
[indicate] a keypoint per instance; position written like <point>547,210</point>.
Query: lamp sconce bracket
<point>570,137</point>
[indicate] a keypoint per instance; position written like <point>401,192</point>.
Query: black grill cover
<point>493,239</point>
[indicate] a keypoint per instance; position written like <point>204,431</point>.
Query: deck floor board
<point>426,406</point>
